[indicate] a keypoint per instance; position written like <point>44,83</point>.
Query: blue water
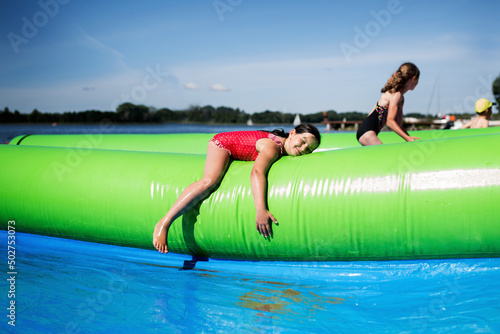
<point>67,286</point>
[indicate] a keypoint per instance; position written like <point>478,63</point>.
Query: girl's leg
<point>215,167</point>
<point>369,138</point>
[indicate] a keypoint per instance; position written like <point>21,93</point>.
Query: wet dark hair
<point>301,128</point>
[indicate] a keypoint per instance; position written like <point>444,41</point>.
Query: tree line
<point>132,113</point>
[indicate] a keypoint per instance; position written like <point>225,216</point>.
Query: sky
<point>256,55</point>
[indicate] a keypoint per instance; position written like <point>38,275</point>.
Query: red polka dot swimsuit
<point>241,144</point>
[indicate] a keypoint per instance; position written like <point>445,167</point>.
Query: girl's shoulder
<point>271,141</point>
<point>394,98</point>
<point>385,99</point>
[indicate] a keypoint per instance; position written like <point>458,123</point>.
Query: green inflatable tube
<point>420,200</point>
<point>187,143</point>
<point>197,143</point>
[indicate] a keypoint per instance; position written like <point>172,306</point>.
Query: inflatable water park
<point>434,198</point>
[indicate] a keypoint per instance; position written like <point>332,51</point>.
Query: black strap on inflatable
<point>20,140</point>
<point>190,264</point>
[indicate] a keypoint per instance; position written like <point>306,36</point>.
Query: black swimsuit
<point>374,122</point>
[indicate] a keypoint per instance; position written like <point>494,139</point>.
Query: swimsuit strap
<point>277,141</point>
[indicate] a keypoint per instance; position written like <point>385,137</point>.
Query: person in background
<point>483,111</point>
<point>389,108</point>
<point>264,148</point>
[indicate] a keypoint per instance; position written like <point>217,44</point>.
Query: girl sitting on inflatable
<point>260,146</point>
<point>389,108</point>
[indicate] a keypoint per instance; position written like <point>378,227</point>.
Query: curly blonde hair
<point>397,81</point>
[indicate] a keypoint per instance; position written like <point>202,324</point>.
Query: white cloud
<point>218,88</point>
<point>190,86</point>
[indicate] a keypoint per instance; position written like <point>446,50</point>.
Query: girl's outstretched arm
<point>395,117</point>
<point>268,153</point>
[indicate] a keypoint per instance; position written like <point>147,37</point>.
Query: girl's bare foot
<point>160,237</point>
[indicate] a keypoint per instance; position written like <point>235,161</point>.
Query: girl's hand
<point>263,225</point>
<point>413,138</point>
